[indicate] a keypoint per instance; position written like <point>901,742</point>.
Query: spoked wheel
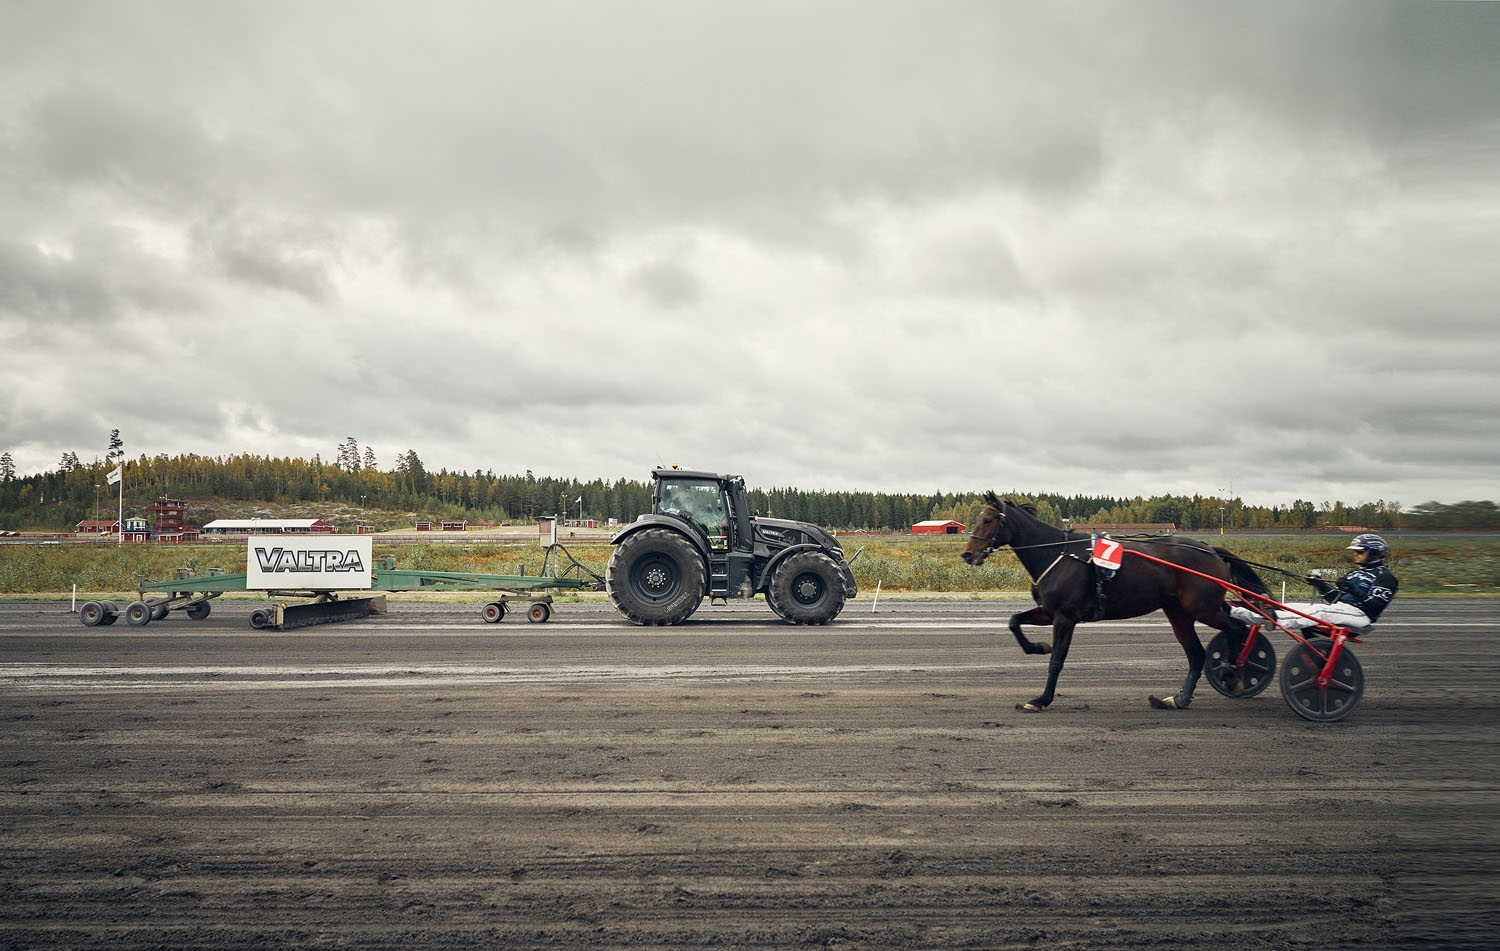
<point>493,613</point>
<point>539,612</point>
<point>1224,674</point>
<point>1328,702</point>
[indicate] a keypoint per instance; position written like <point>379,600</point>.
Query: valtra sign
<point>315,563</point>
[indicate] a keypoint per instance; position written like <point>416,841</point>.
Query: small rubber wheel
<point>493,612</point>
<point>197,611</point>
<point>1326,703</point>
<point>91,614</point>
<point>259,618</point>
<point>539,613</point>
<point>1224,674</point>
<point>138,614</point>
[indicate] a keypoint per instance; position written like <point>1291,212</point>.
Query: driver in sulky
<point>1356,601</point>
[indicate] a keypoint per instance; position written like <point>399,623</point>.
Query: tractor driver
<point>701,504</point>
<point>1354,602</point>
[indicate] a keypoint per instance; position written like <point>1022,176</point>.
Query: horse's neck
<point>1037,545</point>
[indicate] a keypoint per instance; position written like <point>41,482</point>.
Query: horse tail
<point>1241,573</point>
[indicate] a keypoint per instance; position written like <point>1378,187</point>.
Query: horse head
<point>991,532</point>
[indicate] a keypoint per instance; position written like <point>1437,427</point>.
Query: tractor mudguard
<point>845,572</point>
<point>673,522</point>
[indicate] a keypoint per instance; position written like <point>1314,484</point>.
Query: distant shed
<point>935,527</point>
<point>268,526</point>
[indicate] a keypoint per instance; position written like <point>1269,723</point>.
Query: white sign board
<point>309,562</point>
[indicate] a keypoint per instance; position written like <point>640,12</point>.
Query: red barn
<point>935,527</point>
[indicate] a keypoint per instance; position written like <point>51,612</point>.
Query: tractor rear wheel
<point>806,589</point>
<point>656,577</point>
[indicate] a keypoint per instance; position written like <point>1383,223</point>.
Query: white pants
<point>1344,615</point>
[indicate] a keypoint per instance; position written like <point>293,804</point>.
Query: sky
<point>1100,248</point>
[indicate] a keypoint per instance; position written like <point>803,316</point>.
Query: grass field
<point>1425,565</point>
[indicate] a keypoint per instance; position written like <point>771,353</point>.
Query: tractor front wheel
<point>656,577</point>
<point>806,589</point>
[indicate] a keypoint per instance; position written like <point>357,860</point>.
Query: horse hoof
<point>1170,703</point>
<point>1029,708</point>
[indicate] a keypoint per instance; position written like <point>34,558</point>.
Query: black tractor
<point>700,540</point>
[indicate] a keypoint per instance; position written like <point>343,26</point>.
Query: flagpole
<point>120,532</point>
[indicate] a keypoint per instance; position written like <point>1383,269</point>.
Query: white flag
<point>579,499</point>
<point>117,475</point>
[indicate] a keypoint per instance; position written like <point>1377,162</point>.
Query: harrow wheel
<point>1224,675</point>
<point>1327,703</point>
<point>539,612</point>
<point>92,613</point>
<point>493,613</point>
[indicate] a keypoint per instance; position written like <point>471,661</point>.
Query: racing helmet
<point>1371,543</point>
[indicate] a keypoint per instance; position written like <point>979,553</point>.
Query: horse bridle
<point>990,543</point>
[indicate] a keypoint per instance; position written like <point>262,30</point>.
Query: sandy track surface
<point>424,780</point>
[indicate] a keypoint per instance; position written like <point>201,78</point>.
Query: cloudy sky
<point>1081,247</point>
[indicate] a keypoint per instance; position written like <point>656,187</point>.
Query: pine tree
<point>348,459</point>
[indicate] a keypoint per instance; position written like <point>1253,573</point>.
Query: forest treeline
<point>353,488</point>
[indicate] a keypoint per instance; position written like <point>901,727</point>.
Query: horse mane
<point>991,498</point>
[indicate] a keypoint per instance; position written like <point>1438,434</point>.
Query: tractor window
<point>700,502</point>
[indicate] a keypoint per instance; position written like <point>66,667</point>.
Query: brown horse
<point>1066,592</point>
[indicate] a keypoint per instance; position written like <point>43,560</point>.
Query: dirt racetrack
<point>425,780</point>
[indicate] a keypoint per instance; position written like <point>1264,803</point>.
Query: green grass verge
<point>1426,565</point>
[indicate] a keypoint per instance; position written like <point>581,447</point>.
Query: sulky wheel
<point>539,613</point>
<point>91,613</point>
<point>656,576</point>
<point>1321,703</point>
<point>493,613</point>
<point>197,611</point>
<point>806,589</point>
<point>137,613</point>
<point>1227,678</point>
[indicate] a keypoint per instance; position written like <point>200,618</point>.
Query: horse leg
<point>1182,627</point>
<point>1037,615</point>
<point>1062,637</point>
